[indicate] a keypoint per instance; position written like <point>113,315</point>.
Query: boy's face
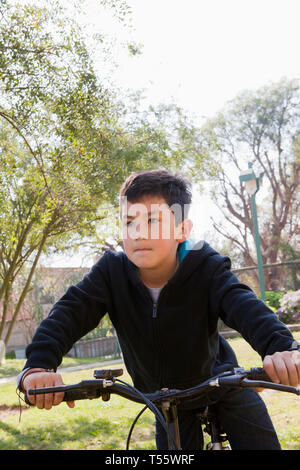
<point>150,235</point>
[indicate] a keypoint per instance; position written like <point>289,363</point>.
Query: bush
<point>273,298</point>
<point>289,310</point>
<point>271,307</point>
<point>10,355</point>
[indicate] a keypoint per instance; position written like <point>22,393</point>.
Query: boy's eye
<point>152,219</point>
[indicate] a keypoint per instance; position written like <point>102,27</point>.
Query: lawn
<point>105,425</point>
<point>14,366</point>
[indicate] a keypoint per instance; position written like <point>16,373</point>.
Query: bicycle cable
<point>153,408</point>
<point>133,424</point>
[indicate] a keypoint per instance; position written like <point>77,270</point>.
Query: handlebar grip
<point>72,395</point>
<point>258,373</point>
<point>72,392</point>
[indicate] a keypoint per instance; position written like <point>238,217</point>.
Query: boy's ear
<point>183,230</point>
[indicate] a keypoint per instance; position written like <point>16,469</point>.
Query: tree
<point>261,127</point>
<point>66,142</point>
<point>55,120</point>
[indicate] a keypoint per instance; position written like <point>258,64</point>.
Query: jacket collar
<point>191,255</point>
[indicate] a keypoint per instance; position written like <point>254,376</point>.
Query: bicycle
<point>163,403</point>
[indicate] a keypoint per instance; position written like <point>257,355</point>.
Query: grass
<point>14,366</point>
<point>90,425</point>
<point>105,425</point>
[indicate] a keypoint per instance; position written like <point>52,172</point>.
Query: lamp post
<point>252,185</point>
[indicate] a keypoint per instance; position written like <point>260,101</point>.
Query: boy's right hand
<point>42,380</point>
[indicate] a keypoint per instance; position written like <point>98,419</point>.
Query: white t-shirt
<point>154,292</point>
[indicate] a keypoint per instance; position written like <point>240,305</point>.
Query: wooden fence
<point>98,347</point>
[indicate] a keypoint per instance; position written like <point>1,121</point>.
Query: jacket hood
<point>191,255</point>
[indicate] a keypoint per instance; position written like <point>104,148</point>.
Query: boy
<point>164,296</point>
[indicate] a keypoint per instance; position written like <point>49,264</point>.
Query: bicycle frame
<point>212,426</point>
<point>208,420</point>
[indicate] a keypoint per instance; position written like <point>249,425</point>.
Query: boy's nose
<point>137,231</point>
<point>142,232</point>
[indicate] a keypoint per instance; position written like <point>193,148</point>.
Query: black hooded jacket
<point>174,343</point>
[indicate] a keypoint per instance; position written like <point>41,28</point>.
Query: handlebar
<point>105,383</point>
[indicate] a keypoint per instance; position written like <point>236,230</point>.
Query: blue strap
<point>184,248</point>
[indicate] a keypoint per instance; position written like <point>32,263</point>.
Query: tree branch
<point>16,127</point>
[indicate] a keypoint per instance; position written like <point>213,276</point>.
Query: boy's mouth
<point>142,250</point>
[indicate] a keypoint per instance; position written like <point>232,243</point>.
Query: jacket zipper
<point>154,310</point>
<point>155,326</point>
<point>154,304</point>
<point>159,344</point>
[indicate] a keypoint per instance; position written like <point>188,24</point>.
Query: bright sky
<point>202,53</point>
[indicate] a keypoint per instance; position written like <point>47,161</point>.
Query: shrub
<point>289,310</point>
<point>273,298</point>
<point>271,306</point>
<point>10,355</point>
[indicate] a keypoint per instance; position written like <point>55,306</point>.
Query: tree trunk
<point>5,309</point>
<point>26,288</point>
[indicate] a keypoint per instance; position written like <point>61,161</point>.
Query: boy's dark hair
<point>174,188</point>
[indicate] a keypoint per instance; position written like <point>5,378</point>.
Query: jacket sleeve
<point>74,315</point>
<point>239,308</point>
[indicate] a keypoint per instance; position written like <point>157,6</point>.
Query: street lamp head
<point>252,182</point>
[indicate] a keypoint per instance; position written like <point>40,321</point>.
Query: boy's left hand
<point>283,367</point>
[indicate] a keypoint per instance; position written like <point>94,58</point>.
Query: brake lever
<point>270,385</point>
<point>239,379</point>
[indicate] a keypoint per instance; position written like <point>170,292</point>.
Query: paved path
<point>102,364</point>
